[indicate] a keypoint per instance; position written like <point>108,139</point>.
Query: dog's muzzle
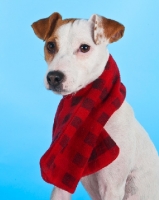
<point>55,79</point>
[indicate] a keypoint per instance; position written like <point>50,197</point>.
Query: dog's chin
<point>62,91</point>
<point>59,90</point>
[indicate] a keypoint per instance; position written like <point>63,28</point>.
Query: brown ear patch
<point>113,30</point>
<point>44,27</point>
<point>106,30</point>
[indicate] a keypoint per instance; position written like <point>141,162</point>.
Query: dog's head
<point>75,49</point>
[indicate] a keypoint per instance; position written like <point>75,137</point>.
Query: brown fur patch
<point>49,56</point>
<point>54,38</point>
<point>59,23</point>
<point>44,27</point>
<point>113,30</point>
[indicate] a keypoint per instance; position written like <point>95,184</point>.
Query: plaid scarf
<point>80,145</point>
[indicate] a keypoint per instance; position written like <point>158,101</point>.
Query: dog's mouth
<point>63,91</point>
<point>59,90</point>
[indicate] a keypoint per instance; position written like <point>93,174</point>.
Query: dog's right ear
<point>43,28</point>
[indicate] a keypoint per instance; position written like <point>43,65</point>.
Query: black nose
<point>55,78</point>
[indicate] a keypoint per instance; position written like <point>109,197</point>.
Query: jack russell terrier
<point>96,138</point>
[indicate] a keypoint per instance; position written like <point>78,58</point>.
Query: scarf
<point>80,145</point>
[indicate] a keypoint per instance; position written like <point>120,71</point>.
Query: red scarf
<point>81,146</point>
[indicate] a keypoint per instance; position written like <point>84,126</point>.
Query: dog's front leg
<point>59,194</point>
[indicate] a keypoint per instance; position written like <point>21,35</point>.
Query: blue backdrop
<point>27,109</point>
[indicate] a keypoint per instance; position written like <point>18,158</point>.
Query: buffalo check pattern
<point>80,145</point>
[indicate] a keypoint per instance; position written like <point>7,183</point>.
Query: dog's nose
<point>54,78</point>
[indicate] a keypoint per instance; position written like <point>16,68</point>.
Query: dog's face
<point>75,49</point>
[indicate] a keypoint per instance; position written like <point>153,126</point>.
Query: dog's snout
<point>55,78</point>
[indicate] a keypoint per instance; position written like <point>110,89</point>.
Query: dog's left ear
<point>106,30</point>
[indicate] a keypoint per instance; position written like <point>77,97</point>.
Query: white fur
<point>134,175</point>
<point>98,30</point>
<point>79,68</point>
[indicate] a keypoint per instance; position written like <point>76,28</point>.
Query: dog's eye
<point>51,47</point>
<point>84,48</point>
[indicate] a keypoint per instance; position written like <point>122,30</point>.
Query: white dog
<point>76,54</point>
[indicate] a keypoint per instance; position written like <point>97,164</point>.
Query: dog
<point>76,54</point>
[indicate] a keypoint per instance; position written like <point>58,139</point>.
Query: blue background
<point>27,109</point>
